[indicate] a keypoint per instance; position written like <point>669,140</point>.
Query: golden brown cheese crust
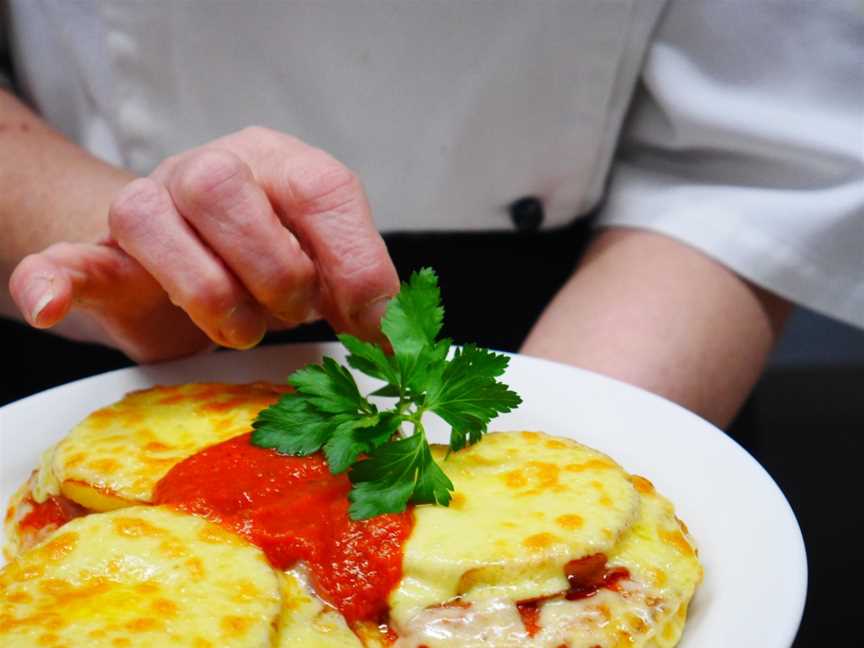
<point>32,495</point>
<point>569,496</point>
<point>18,508</point>
<point>115,456</point>
<point>143,576</point>
<point>525,504</point>
<point>649,608</point>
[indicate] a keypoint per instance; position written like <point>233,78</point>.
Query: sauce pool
<point>294,509</point>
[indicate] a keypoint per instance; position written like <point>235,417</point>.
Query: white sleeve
<point>746,141</point>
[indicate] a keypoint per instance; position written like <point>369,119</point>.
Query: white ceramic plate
<point>749,541</point>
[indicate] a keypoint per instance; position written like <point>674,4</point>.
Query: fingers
<point>131,308</point>
<point>46,285</point>
<point>42,291</point>
<point>325,206</point>
<point>218,195</point>
<point>330,214</point>
<point>259,217</point>
<point>147,225</point>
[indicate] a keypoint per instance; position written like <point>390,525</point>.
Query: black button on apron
<point>527,213</point>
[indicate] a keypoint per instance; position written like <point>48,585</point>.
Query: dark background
<point>803,422</point>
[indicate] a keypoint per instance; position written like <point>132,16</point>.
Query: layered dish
<point>155,522</point>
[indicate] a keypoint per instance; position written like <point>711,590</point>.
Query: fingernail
<point>243,327</point>
<point>369,317</point>
<point>296,317</point>
<point>298,308</point>
<point>37,296</point>
<point>312,315</point>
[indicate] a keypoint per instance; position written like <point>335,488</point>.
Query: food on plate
<point>296,510</point>
<point>557,545</point>
<point>141,576</point>
<point>545,543</point>
<point>34,511</point>
<point>249,515</point>
<point>117,454</point>
<point>307,622</point>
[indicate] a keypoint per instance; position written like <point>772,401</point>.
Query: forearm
<point>656,313</point>
<point>50,190</point>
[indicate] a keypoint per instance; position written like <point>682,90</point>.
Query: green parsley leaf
<point>433,486</point>
<point>370,359</point>
<point>415,316</point>
<point>395,473</point>
<point>428,367</point>
<point>390,391</point>
<point>467,393</point>
<point>389,467</point>
<point>293,426</point>
<point>412,322</point>
<point>330,387</point>
<point>343,448</point>
<point>325,403</point>
<point>353,438</point>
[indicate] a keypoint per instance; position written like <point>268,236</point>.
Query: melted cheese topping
<point>19,507</point>
<point>44,481</point>
<point>40,486</point>
<point>663,561</point>
<point>646,610</point>
<point>306,622</point>
<point>144,576</point>
<point>525,504</point>
<point>650,608</point>
<point>116,455</point>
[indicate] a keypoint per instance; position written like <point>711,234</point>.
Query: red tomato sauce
<point>530,613</point>
<point>585,577</point>
<point>56,510</point>
<point>295,510</point>
<point>589,574</point>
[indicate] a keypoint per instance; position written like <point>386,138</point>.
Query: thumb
<point>46,285</point>
<point>113,291</point>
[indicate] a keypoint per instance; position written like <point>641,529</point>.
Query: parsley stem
<point>419,429</point>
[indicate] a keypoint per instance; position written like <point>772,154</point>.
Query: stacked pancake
<point>546,543</point>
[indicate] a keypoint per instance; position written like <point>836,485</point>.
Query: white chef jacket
<point>745,137</point>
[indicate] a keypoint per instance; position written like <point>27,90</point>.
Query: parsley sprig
<point>327,412</point>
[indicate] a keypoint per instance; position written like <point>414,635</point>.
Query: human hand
<point>252,231</point>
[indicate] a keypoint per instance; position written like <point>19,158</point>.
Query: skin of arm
<point>653,312</point>
<point>50,191</point>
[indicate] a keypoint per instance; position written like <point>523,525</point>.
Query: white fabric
<point>745,141</point>
<point>448,110</point>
